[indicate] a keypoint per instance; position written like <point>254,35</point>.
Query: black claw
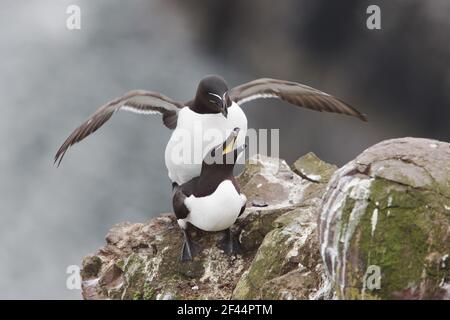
<point>229,244</point>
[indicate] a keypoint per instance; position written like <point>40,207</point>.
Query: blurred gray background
<point>51,79</point>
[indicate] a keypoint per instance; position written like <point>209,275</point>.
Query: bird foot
<point>229,244</point>
<point>190,250</point>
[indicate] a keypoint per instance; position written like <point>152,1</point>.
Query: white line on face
<point>215,95</point>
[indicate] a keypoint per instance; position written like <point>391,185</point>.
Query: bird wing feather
<point>180,194</point>
<point>294,93</point>
<point>137,101</point>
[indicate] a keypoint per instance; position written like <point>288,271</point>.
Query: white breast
<point>217,211</point>
<point>195,135</point>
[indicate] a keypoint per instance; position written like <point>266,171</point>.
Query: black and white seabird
<point>213,201</point>
<point>213,108</point>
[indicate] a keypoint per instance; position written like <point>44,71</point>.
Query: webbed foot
<point>229,243</point>
<point>190,249</point>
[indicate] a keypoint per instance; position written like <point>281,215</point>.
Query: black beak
<point>224,109</point>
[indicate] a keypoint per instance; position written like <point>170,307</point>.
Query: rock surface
<point>385,223</point>
<point>289,252</point>
<point>381,224</point>
<point>278,232</point>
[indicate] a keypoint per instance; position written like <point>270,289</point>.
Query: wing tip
<point>59,156</point>
<point>363,117</point>
<point>354,112</point>
<point>57,159</point>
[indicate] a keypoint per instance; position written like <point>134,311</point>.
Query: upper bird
<point>213,113</point>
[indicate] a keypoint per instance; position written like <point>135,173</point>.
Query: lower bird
<point>212,201</point>
<point>214,108</point>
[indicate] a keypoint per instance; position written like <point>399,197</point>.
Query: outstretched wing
<point>294,93</point>
<point>137,101</point>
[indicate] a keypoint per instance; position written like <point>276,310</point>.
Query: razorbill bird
<point>207,119</point>
<point>211,202</point>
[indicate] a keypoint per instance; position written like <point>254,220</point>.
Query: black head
<point>212,95</point>
<point>222,157</point>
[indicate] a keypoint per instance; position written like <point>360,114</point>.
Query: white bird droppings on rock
<point>444,260</point>
<point>374,220</point>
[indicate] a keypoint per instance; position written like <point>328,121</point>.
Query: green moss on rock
<point>400,227</point>
<point>311,167</point>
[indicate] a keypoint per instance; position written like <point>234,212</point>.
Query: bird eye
<point>215,102</point>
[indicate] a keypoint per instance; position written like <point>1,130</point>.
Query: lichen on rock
<point>384,225</point>
<point>377,228</point>
<point>277,231</point>
<point>290,250</point>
